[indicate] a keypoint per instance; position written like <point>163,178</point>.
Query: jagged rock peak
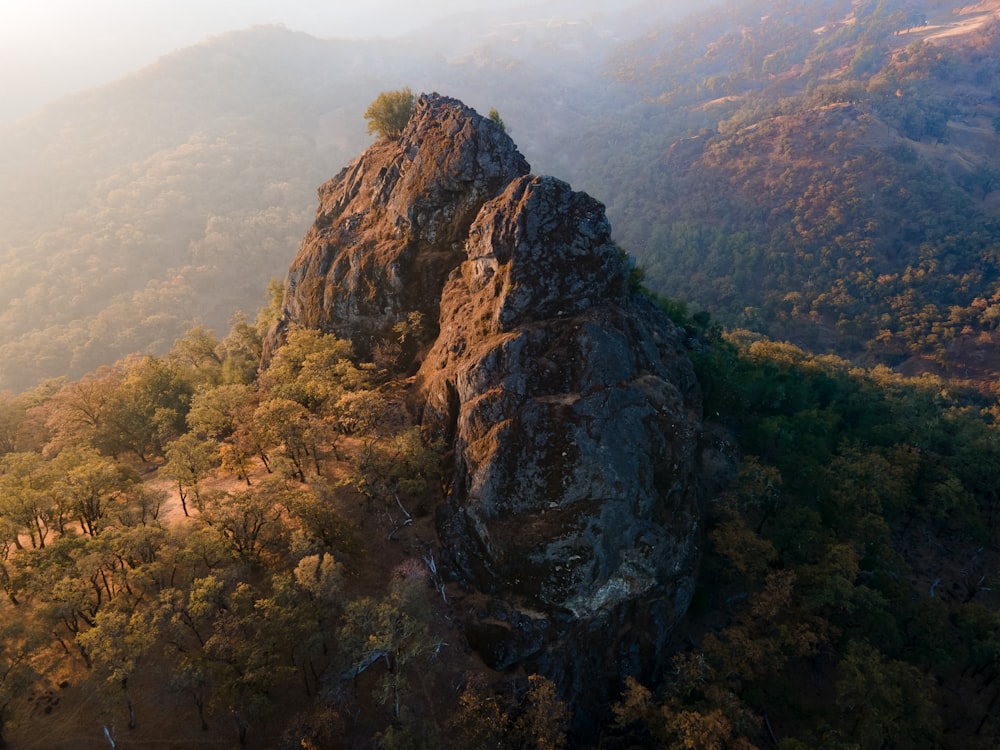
<point>574,414</point>
<point>554,246</point>
<point>569,407</point>
<point>391,225</point>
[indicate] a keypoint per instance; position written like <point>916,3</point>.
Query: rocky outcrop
<point>574,414</point>
<point>570,407</point>
<point>391,226</point>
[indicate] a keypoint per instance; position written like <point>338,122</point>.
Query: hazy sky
<point>52,47</point>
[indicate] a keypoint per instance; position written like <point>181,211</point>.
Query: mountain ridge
<point>94,268</point>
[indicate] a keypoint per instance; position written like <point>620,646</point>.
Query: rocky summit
<point>392,224</point>
<point>569,405</point>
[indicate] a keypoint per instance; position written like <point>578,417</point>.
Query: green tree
<point>115,645</point>
<point>19,642</point>
<point>389,113</point>
<point>394,629</point>
<point>146,410</point>
<point>247,519</point>
<point>286,423</point>
<point>251,650</point>
<point>189,460</point>
<point>86,483</point>
<point>270,313</point>
<point>241,351</point>
<point>313,368</point>
<point>217,412</point>
<point>495,118</point>
<point>885,701</point>
<point>199,353</point>
<point>26,498</point>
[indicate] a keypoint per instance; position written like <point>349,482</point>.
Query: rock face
<point>570,406</point>
<point>391,225</point>
<point>574,417</point>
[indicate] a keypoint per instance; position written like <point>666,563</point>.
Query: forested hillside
<point>217,557</point>
<point>134,212</point>
<point>836,184</point>
<point>823,172</point>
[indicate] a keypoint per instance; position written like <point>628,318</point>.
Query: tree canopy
<point>389,113</point>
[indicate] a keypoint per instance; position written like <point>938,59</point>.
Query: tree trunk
<point>128,704</point>
<point>183,498</point>
<point>241,728</point>
<point>201,714</point>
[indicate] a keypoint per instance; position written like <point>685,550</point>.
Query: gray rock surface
<point>574,415</point>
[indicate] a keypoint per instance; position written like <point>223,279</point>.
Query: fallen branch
<point>435,578</point>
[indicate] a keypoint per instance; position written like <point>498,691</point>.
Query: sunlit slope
<point>170,198</point>
<point>795,167</point>
<point>825,173</point>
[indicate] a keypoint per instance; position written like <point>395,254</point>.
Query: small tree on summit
<point>495,118</point>
<point>389,113</point>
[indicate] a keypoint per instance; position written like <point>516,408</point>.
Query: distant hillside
<point>134,211</point>
<point>826,173</point>
<point>170,198</point>
<point>799,168</point>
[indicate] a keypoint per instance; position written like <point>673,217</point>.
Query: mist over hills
<point>482,476</point>
<point>167,199</point>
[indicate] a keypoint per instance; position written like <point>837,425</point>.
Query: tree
<point>134,407</point>
<point>283,422</point>
<point>146,410</point>
<point>883,700</point>
<point>495,118</point>
<point>217,412</point>
<point>241,350</point>
<point>26,496</point>
<point>246,519</point>
<point>252,648</point>
<point>545,719</point>
<point>10,416</point>
<point>18,643</point>
<point>115,645</point>
<point>199,353</point>
<point>313,368</point>
<point>86,484</point>
<point>270,313</point>
<point>389,113</point>
<point>78,410</point>
<point>189,460</point>
<point>395,629</point>
<point>481,719</point>
<point>401,467</point>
